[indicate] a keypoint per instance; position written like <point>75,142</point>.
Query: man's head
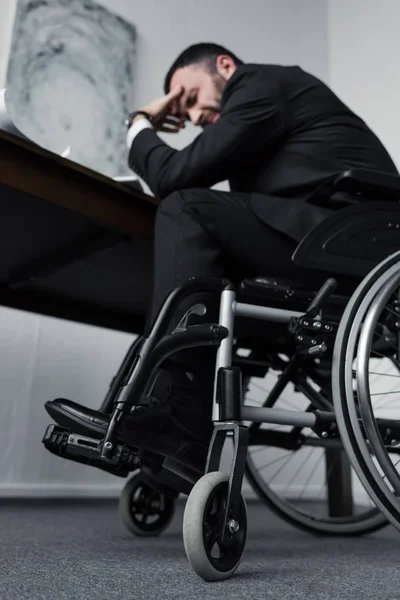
<point>202,70</point>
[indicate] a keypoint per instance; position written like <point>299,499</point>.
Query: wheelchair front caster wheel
<point>143,510</point>
<point>202,521</point>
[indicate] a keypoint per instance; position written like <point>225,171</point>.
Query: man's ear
<point>225,66</point>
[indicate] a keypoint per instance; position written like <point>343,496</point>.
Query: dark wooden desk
<point>73,243</point>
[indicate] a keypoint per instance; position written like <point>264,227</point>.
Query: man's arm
<point>252,120</point>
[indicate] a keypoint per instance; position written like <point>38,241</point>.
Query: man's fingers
<point>175,92</point>
<point>175,120</point>
<point>174,108</point>
<point>171,121</point>
<point>171,126</point>
<point>168,129</point>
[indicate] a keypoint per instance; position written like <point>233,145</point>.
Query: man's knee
<point>188,203</point>
<point>171,205</point>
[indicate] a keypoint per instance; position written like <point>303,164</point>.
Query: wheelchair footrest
<point>86,450</point>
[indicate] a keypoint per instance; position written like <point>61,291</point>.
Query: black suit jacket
<point>282,135</point>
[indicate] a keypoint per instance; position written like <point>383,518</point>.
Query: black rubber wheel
<point>144,510</point>
<point>211,559</point>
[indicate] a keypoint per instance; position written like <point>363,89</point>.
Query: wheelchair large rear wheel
<point>368,337</point>
<point>300,485</point>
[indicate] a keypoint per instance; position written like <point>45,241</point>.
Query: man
<point>280,136</point>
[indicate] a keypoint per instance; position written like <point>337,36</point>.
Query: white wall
<point>364,58</point>
<point>44,358</point>
<point>7,14</point>
<point>41,359</point>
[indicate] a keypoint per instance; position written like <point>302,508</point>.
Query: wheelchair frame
<point>227,409</point>
<point>227,412</point>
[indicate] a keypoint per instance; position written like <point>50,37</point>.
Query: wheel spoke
<point>319,460</point>
<point>298,471</point>
<point>289,456</point>
<point>212,538</point>
<point>290,480</point>
<point>384,374</point>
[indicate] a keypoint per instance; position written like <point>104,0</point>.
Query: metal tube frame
<point>153,351</point>
<point>229,309</point>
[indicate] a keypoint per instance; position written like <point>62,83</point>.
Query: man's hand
<point>165,112</point>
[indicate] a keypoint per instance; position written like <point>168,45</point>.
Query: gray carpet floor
<point>80,550</point>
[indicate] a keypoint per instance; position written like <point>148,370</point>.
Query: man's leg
<point>206,233</point>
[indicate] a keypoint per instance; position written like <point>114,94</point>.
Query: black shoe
<point>79,419</point>
<point>86,421</point>
<point>148,428</point>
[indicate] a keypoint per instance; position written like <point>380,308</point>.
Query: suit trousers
<point>207,233</point>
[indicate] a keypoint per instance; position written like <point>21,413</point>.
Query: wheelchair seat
<point>362,231</point>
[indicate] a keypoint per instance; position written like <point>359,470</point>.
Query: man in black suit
<point>280,136</point>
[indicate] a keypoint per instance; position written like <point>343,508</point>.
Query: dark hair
<point>205,53</point>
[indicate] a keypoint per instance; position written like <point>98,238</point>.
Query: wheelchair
<point>334,342</point>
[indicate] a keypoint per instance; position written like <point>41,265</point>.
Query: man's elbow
<point>161,189</point>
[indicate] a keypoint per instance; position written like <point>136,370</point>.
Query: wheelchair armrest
<point>355,186</point>
<point>369,184</point>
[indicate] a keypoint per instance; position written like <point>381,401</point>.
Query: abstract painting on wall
<point>70,80</point>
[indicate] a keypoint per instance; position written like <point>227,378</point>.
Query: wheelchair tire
<point>359,449</point>
<point>208,557</point>
<point>143,510</point>
<point>366,523</point>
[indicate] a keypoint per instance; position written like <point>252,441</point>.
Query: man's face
<point>202,92</point>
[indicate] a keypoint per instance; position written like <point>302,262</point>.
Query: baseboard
<point>61,490</point>
<point>313,492</point>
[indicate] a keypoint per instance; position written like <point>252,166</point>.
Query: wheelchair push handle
<point>326,290</point>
